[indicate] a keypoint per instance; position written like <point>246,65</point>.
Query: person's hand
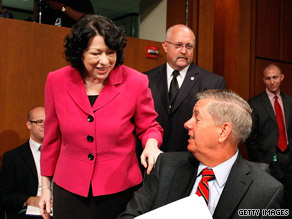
<point>150,154</point>
<point>45,203</point>
<point>33,201</point>
<point>54,4</point>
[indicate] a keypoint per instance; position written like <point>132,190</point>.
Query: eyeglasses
<point>39,122</point>
<point>179,46</point>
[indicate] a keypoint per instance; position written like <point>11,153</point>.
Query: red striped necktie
<point>203,187</point>
<point>282,140</point>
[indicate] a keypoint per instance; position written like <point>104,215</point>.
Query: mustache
<point>182,56</point>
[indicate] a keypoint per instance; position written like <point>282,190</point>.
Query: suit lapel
<point>78,93</point>
<point>237,185</point>
<point>268,106</point>
<point>190,80</point>
<point>287,110</point>
<point>29,160</point>
<point>183,181</point>
<point>109,91</point>
<point>161,85</point>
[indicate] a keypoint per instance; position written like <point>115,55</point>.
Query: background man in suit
<point>190,79</point>
<point>20,173</point>
<point>220,121</point>
<point>264,142</point>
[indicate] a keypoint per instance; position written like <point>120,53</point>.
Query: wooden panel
<point>287,31</point>
<point>253,49</point>
<point>226,41</point>
<point>286,69</point>
<point>205,34</point>
<point>244,52</point>
<point>135,54</point>
<point>219,38</point>
<point>268,18</point>
<point>28,52</point>
<point>192,23</point>
<point>176,12</point>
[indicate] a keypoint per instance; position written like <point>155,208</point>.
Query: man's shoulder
<point>286,96</point>
<point>175,158</point>
<point>16,150</point>
<point>206,73</point>
<point>262,176</point>
<point>159,68</point>
<point>257,98</point>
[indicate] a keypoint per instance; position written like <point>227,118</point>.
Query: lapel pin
<point>192,78</point>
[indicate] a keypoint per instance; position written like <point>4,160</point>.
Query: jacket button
<point>90,118</point>
<point>89,138</point>
<point>90,156</point>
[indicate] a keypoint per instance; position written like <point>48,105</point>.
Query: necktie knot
<point>175,73</point>
<point>207,174</point>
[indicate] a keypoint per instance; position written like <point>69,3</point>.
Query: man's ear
<point>164,46</point>
<point>225,131</point>
<point>282,77</point>
<point>28,124</point>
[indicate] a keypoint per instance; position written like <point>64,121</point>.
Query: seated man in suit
<point>221,120</point>
<point>20,173</point>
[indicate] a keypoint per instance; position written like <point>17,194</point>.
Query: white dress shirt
<point>180,78</point>
<point>216,186</point>
<point>34,147</point>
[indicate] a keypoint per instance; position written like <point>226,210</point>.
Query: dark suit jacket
<point>197,79</point>
<point>262,142</point>
<point>174,175</point>
<point>18,180</point>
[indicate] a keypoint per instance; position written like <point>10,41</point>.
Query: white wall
<point>153,20</point>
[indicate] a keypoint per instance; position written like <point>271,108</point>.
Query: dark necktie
<point>173,87</point>
<point>203,187</point>
<point>282,140</point>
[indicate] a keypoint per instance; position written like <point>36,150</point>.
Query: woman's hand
<point>46,202</point>
<point>150,154</point>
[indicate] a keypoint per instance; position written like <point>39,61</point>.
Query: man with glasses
<point>174,86</point>
<point>20,172</point>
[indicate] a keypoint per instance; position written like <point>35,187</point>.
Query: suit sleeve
<point>143,199</point>
<point>52,138</point>
<point>145,115</point>
<point>276,201</point>
<point>9,196</point>
<point>250,142</point>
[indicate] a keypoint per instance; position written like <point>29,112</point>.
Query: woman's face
<point>98,59</point>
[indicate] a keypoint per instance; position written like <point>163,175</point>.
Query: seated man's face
<point>202,131</point>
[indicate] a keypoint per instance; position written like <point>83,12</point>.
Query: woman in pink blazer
<point>95,108</point>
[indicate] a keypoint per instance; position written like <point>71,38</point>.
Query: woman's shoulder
<point>64,72</point>
<point>132,73</point>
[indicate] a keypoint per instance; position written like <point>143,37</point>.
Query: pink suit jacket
<point>96,145</point>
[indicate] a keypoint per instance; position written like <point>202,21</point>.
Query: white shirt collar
<point>222,170</point>
<point>169,71</point>
<point>34,146</point>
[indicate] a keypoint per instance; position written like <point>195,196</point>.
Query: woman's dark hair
<point>87,27</point>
